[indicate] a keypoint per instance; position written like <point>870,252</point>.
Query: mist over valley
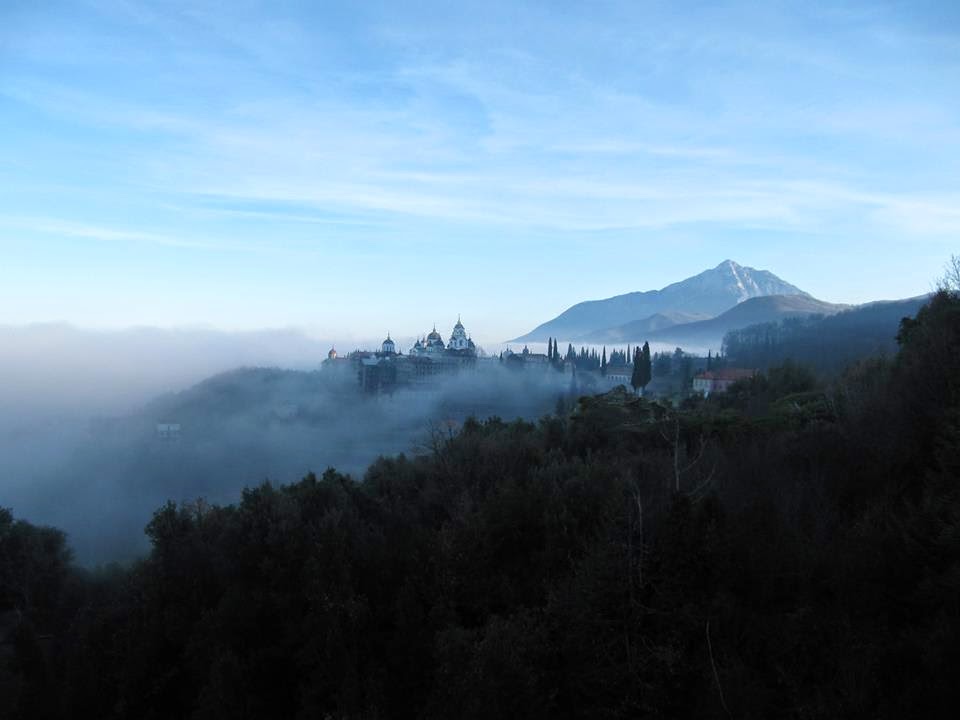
<point>99,475</point>
<point>83,412</point>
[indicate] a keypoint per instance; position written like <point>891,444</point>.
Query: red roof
<point>727,374</point>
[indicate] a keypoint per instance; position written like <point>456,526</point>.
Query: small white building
<point>168,431</point>
<point>717,381</point>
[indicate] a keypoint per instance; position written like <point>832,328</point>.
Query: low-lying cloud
<point>80,448</point>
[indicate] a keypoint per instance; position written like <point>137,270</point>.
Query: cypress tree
<point>636,379</point>
<point>646,366</point>
<point>603,361</point>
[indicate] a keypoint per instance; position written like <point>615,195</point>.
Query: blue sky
<point>354,167</point>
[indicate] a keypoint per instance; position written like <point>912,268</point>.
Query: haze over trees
<point>789,549</point>
<point>826,343</point>
<point>100,480</point>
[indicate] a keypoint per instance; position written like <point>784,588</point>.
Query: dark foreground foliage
<point>787,551</point>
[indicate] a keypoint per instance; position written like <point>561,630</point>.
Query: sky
<point>358,167</point>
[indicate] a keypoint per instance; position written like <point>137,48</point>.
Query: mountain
<point>641,328</point>
<point>709,293</point>
<point>757,310</point>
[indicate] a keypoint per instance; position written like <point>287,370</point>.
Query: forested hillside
<point>789,550</point>
<point>826,343</point>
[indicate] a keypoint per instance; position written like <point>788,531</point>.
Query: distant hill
<point>825,343</point>
<point>709,333</point>
<point>708,294</point>
<point>641,329</point>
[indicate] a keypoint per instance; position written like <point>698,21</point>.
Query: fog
<point>80,448</point>
<point>57,370</point>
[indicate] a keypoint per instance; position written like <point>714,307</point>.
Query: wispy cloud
<point>235,127</point>
<point>72,229</point>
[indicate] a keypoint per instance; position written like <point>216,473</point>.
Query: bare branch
<point>716,675</point>
<point>703,445</point>
<point>702,487</point>
<point>950,280</point>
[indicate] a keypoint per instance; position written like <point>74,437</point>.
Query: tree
<point>642,368</point>
<point>951,276</point>
<point>647,367</point>
<point>636,379</point>
<point>603,361</point>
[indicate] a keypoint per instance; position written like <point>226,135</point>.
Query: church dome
<point>332,355</point>
<point>388,345</point>
<point>459,339</point>
<point>434,335</point>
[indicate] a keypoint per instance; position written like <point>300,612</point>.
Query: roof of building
<point>727,374</point>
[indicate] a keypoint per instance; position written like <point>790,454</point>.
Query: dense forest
<point>827,344</point>
<point>789,549</point>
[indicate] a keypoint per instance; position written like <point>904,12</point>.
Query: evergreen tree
<point>636,381</point>
<point>646,366</point>
<point>603,361</point>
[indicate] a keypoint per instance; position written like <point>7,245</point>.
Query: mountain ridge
<point>755,311</point>
<point>654,323</point>
<point>708,293</point>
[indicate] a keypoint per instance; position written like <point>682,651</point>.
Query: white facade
<point>459,339</point>
<point>433,346</point>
